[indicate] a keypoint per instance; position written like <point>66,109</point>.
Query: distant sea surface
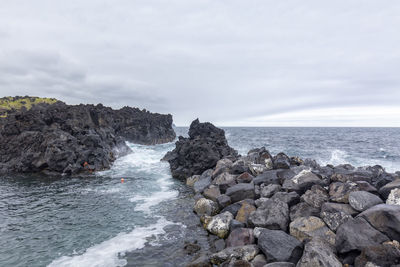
<point>145,221</point>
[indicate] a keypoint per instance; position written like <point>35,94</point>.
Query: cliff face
<point>59,138</point>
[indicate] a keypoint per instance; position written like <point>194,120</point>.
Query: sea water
<point>145,221</point>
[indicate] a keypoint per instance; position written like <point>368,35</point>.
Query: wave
<point>111,251</point>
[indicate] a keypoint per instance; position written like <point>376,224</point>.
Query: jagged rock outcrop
<point>205,145</point>
<point>70,139</point>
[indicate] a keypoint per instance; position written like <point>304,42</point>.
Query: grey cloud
<point>217,60</point>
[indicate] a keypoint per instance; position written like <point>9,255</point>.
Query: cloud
<point>223,61</point>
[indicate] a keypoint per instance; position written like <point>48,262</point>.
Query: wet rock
<point>192,179</point>
<point>394,197</point>
<point>291,198</point>
<point>303,210</point>
<point>191,248</point>
<point>240,166</point>
<point>385,190</point>
<point>273,214</point>
<point>307,228</point>
<point>383,179</point>
<point>212,193</point>
<point>281,161</point>
<point>245,178</point>
<point>259,261</point>
<point>240,237</point>
<point>315,197</point>
<point>279,246</point>
<point>302,182</point>
<point>236,263</point>
<point>361,200</point>
<point>206,206</point>
<point>339,192</point>
<point>201,261</point>
<point>240,192</point>
<point>233,208</point>
<point>385,218</point>
<point>268,190</point>
<point>219,224</point>
<point>296,161</point>
<point>223,201</point>
<point>385,255</point>
<point>204,147</point>
<point>260,156</point>
<point>319,253</point>
<point>357,234</point>
<point>364,186</point>
<point>267,177</point>
<point>247,253</point>
<point>244,212</point>
<point>72,139</point>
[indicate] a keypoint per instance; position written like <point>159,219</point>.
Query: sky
<point>233,63</point>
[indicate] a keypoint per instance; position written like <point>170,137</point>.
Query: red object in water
<point>122,180</point>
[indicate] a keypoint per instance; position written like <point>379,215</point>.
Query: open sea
<point>145,221</point>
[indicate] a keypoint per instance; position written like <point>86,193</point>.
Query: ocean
<point>145,221</point>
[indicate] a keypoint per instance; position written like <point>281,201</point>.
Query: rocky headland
<point>49,136</point>
<point>281,211</point>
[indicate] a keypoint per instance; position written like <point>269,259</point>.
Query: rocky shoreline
<point>276,211</point>
<point>66,139</point>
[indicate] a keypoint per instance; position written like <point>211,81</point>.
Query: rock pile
<point>280,211</point>
<point>60,138</point>
<point>203,148</point>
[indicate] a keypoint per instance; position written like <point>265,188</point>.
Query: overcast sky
<point>250,63</point>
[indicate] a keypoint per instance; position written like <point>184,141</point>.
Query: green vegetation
<point>17,102</point>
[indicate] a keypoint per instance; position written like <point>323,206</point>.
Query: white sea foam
<point>109,252</point>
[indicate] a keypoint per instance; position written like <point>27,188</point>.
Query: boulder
<point>386,189</point>
<point>259,261</point>
<point>267,177</point>
<point>343,175</point>
<point>192,179</point>
<point>245,178</point>
<point>302,182</point>
<point>339,207</point>
<point>202,183</point>
<point>223,165</point>
<point>240,192</point>
<point>385,218</point>
<point>279,246</point>
<point>212,193</point>
<point>247,253</point>
<point>303,210</point>
<point>339,192</point>
<point>307,228</point>
<point>257,169</point>
<point>273,214</point>
<point>362,200</point>
<point>235,224</point>
<point>281,161</point>
<point>240,237</point>
<point>200,261</point>
<point>357,234</point>
<point>385,255</point>
<point>268,190</point>
<point>244,212</point>
<point>224,181</point>
<point>205,206</point>
<point>394,197</point>
<point>319,253</point>
<point>383,179</point>
<point>223,201</point>
<point>204,147</point>
<point>219,224</point>
<point>335,214</point>
<point>280,264</point>
<point>315,197</point>
<point>291,198</point>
